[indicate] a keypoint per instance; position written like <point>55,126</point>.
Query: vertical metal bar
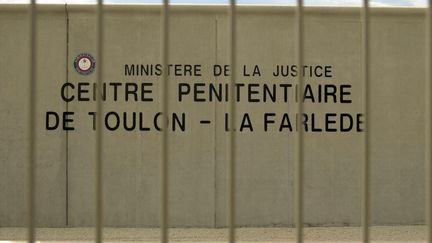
<point>365,216</point>
<point>164,100</point>
<point>99,110</point>
<point>32,124</point>
<point>299,159</point>
<point>428,120</point>
<point>232,144</point>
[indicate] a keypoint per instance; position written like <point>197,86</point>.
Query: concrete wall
<point>197,160</point>
<point>14,91</point>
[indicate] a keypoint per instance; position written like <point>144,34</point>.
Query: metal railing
<point>231,212</point>
<point>32,123</point>
<point>366,101</point>
<point>164,216</point>
<point>428,119</point>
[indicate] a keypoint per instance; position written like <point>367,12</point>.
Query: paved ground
<point>399,234</point>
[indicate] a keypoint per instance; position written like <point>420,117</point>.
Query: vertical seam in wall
<point>215,136</point>
<point>67,109</point>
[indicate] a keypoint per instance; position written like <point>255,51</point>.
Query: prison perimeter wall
<point>198,127</point>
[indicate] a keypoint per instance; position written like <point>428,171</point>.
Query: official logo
<point>84,63</point>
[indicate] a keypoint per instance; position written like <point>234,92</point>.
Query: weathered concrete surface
<point>393,234</point>
<point>397,168</point>
<point>198,156</point>
<point>264,167</point>
<point>14,110</point>
<point>131,159</point>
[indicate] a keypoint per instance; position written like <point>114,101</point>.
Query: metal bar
<point>99,110</point>
<point>428,120</point>
<point>32,124</point>
<point>300,151</point>
<point>164,100</point>
<point>232,143</point>
<point>365,216</point>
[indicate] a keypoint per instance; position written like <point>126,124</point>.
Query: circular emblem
<point>84,63</point>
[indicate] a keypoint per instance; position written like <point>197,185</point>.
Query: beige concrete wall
<point>266,37</point>
<point>14,93</point>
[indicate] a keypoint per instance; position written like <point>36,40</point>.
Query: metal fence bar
<point>232,144</point>
<point>428,120</point>
<point>99,110</point>
<point>299,160</point>
<point>164,100</point>
<point>32,124</point>
<point>366,102</point>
